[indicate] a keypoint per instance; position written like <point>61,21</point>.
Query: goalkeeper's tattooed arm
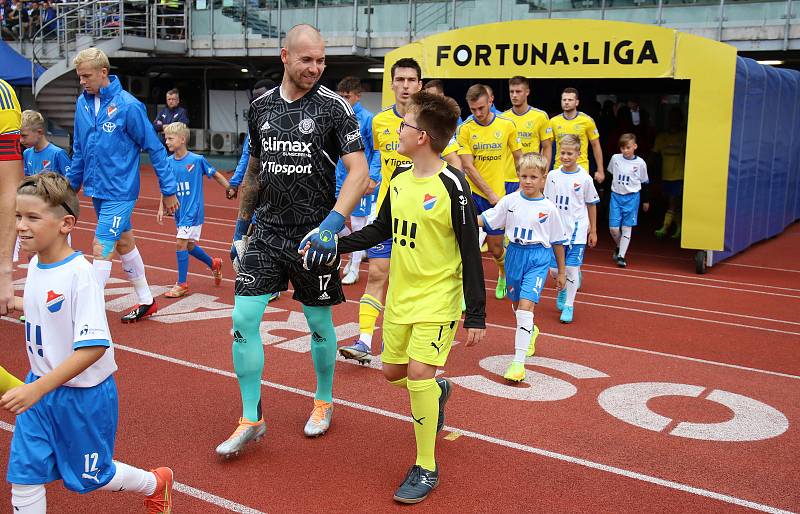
<point>249,190</point>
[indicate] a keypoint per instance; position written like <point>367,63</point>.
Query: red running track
<point>670,392</point>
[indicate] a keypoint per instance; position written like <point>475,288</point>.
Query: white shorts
<point>190,233</point>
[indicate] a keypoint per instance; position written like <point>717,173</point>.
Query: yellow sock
<point>8,381</point>
<point>668,217</point>
<point>501,263</point>
<point>425,411</point>
<point>368,311</point>
<point>401,383</point>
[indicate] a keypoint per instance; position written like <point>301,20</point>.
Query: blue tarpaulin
<point>16,70</point>
<point>764,169</point>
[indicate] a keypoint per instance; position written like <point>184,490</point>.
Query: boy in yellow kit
<point>429,214</point>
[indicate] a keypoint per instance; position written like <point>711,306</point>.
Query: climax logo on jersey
<point>576,187</point>
<point>429,202</point>
<point>54,301</point>
<point>543,217</point>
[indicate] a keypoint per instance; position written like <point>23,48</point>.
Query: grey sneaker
<point>447,387</point>
<point>320,420</point>
<point>419,482</point>
<point>358,351</point>
<point>246,431</point>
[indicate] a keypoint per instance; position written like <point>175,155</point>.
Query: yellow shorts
<point>428,343</point>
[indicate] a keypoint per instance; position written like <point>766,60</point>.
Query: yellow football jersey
<point>386,140</point>
<point>491,147</point>
<point>533,127</point>
<point>10,112</point>
<point>672,147</point>
<point>582,126</point>
<point>434,231</point>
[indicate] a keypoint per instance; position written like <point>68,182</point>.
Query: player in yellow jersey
<point>533,127</point>
<point>406,80</point>
<point>489,147</point>
<point>431,218</point>
<point>671,146</point>
<point>10,175</point>
<point>572,121</point>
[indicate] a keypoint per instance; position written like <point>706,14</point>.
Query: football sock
<point>183,265</point>
<point>425,413</point>
<point>501,263</point>
<point>522,338</point>
<point>572,284</point>
<point>402,383</point>
<point>198,253</point>
<point>615,234</point>
<point>248,352</point>
<point>323,349</point>
<point>8,381</point>
<point>134,267</point>
<point>668,217</point>
<point>625,241</point>
<point>554,273</point>
<point>29,499</point>
<point>102,271</point>
<point>130,479</point>
<point>369,309</point>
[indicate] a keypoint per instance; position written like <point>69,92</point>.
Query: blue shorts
<point>381,250</point>
<point>113,218</point>
<point>573,255</point>
<point>623,211</point>
<point>511,187</point>
<point>672,187</point>
<point>68,435</point>
<point>526,271</point>
<point>482,204</point>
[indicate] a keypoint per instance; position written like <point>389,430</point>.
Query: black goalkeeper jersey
<point>298,144</point>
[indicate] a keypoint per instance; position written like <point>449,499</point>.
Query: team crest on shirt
<point>306,126</point>
<point>543,217</point>
<point>429,202</point>
<point>54,301</point>
<point>189,168</point>
<point>112,110</point>
<point>45,164</point>
<point>498,134</point>
<point>576,186</point>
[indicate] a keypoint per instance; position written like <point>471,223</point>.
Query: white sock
<point>366,339</point>
<point>572,284</point>
<point>522,338</point>
<point>355,260</point>
<point>133,266</point>
<point>481,237</point>
<point>28,499</point>
<point>615,234</point>
<point>133,480</point>
<point>625,240</point>
<point>102,270</point>
<point>554,273</point>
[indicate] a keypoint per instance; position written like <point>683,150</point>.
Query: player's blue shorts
<point>482,204</point>
<point>511,187</point>
<point>526,270</point>
<point>672,187</point>
<point>113,218</point>
<point>381,250</point>
<point>68,435</point>
<point>623,211</point>
<point>573,255</point>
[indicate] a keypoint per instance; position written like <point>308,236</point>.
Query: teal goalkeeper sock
<point>248,351</point>
<point>201,255</point>
<point>323,349</point>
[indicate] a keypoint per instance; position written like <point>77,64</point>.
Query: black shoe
<point>447,387</point>
<point>616,254</point>
<point>621,262</point>
<point>418,484</point>
<point>140,312</point>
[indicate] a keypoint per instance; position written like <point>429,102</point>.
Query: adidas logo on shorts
<point>324,296</point>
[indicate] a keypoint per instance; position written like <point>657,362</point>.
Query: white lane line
<point>725,263</point>
<point>489,439</point>
<point>207,497</point>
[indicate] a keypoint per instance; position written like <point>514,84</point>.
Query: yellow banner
<point>550,48</point>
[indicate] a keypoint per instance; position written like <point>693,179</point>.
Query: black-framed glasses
<point>409,125</point>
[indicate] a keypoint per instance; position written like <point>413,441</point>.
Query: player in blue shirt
<point>41,155</point>
<point>350,89</point>
<point>111,130</point>
<point>189,169</point>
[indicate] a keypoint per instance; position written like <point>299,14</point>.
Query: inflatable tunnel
<point>742,171</point>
